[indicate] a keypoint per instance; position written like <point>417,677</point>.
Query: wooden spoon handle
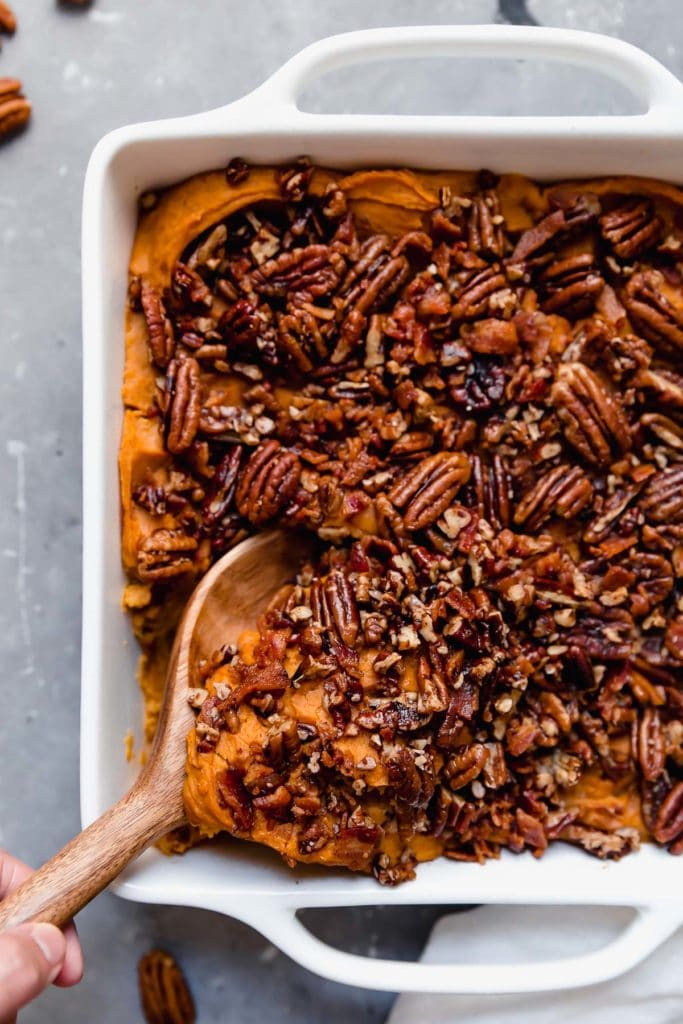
<point>86,865</point>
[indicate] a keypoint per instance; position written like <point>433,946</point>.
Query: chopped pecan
<point>166,553</point>
<point>653,314</point>
<point>237,171</point>
<point>427,490</point>
<point>482,387</point>
<point>183,403</point>
<point>293,181</point>
<point>233,795</point>
<point>571,286</point>
<point>15,109</point>
<point>593,420</point>
<point>564,491</point>
<point>267,483</point>
<point>164,993</point>
<point>632,227</point>
<point>159,328</point>
<point>605,845</point>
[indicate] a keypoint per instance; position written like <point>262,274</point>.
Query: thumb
<point>31,956</point>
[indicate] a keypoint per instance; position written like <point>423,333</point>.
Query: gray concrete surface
<point>88,71</point>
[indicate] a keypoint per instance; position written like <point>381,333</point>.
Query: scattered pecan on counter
<point>472,394</point>
<point>164,994</point>
<point>8,19</point>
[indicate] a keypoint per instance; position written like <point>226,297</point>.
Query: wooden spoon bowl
<point>227,601</point>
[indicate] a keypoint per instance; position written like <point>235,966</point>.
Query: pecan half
<point>425,492</point>
<point>334,605</point>
<point>485,222</point>
<point>166,553</point>
<point>164,993</point>
<point>564,491</point>
<point>662,498</point>
<point>219,498</point>
<point>466,765</point>
<point>648,743</point>
<point>313,271</point>
<point>593,420</point>
<point>632,227</point>
<point>492,489</point>
<point>375,277</point>
<point>15,109</point>
<point>571,286</point>
<point>159,328</point>
<point>183,403</point>
<point>8,20</point>
<point>653,314</point>
<point>481,292</point>
<point>669,821</point>
<point>267,483</point>
<point>574,216</point>
<point>300,339</point>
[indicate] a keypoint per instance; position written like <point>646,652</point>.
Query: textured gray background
<point>88,71</point>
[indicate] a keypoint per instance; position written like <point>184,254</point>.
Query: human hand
<point>32,955</point>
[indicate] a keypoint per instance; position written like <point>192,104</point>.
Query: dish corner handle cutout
<point>650,927</point>
<point>660,92</point>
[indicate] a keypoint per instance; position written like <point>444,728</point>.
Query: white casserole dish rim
<point>267,127</point>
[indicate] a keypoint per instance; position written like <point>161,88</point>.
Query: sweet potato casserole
<point>467,386</point>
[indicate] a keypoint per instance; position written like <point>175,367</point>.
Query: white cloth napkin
<point>651,993</point>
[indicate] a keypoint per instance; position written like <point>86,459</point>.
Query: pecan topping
<point>268,482</point>
<point>571,286</point>
<point>183,403</point>
<point>495,613</point>
<point>593,420</point>
<point>15,109</point>
<point>565,491</point>
<point>631,228</point>
<point>425,492</point>
<point>164,993</point>
<point>159,328</point>
<point>651,313</point>
<point>166,553</point>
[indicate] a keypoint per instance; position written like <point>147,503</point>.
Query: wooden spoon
<point>228,600</point>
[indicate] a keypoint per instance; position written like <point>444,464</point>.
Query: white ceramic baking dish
<point>267,126</point>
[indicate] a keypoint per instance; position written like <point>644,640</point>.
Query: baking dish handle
<point>650,927</point>
<point>642,75</point>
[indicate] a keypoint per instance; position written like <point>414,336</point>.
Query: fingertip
<point>72,969</point>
